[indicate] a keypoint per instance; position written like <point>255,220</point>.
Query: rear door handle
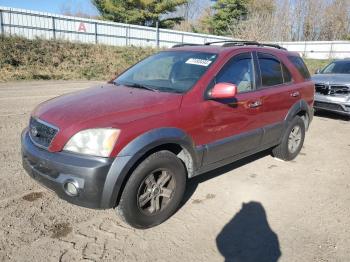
<point>295,94</point>
<point>255,104</point>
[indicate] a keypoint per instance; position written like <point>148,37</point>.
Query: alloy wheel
<point>156,191</point>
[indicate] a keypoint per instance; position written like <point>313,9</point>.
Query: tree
<point>336,21</point>
<point>294,20</point>
<point>252,27</point>
<point>226,14</point>
<point>140,12</point>
<point>195,13</point>
<point>70,8</point>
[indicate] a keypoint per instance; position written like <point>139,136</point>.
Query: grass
<point>25,59</point>
<point>314,64</point>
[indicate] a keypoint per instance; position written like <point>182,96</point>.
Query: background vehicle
<point>134,143</point>
<point>333,87</point>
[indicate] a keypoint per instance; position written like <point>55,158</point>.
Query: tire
<point>147,202</point>
<point>285,150</point>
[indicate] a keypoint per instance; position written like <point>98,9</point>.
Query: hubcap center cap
<point>156,191</point>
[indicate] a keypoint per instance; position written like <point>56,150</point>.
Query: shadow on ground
<point>193,183</point>
<point>248,237</point>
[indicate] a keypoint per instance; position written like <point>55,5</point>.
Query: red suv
<point>133,143</point>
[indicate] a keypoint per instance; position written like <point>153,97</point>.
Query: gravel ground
<point>259,209</point>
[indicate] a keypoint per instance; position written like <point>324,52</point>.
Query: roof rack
<point>227,43</point>
<point>184,44</point>
<point>238,42</point>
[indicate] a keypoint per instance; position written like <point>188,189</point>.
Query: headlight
<point>96,142</point>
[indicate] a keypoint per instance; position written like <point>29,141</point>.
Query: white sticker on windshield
<point>196,61</point>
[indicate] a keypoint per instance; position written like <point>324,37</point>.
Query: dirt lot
<point>259,209</point>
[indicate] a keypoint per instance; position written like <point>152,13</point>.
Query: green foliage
<point>139,12</point>
<point>226,14</point>
<point>23,59</point>
<point>314,64</point>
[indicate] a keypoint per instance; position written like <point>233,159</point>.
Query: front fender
<point>135,150</point>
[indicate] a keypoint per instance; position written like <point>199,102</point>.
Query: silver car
<point>332,85</point>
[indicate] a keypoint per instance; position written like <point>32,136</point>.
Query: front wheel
<point>154,190</point>
<point>292,141</point>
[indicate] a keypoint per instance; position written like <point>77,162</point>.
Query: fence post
<point>53,28</point>
<point>127,32</point>
<point>96,34</point>
<point>331,51</point>
<point>157,34</point>
<point>182,38</point>
<point>10,22</point>
<point>1,24</point>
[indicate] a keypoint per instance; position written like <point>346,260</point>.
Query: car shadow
<point>332,115</point>
<point>248,237</point>
<point>193,183</point>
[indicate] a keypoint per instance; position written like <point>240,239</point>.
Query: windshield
<point>338,67</point>
<point>172,71</point>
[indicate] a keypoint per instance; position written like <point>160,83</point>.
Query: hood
<point>105,106</point>
<point>342,79</point>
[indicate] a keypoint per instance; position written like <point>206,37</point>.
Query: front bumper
<point>53,170</point>
<point>337,104</point>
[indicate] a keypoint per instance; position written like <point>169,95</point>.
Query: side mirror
<point>223,90</point>
<point>318,71</point>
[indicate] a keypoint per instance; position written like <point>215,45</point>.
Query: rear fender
<point>297,108</point>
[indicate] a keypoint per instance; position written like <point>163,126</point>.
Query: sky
<point>52,6</point>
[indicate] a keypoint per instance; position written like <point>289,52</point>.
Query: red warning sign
<point>82,27</point>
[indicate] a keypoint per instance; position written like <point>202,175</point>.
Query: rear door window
<point>287,76</point>
<point>270,69</point>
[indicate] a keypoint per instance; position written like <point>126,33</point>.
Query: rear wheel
<point>154,190</point>
<point>292,140</point>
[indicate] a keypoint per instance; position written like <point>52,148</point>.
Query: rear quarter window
<point>300,65</point>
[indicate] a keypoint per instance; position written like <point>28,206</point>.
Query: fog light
<point>71,188</point>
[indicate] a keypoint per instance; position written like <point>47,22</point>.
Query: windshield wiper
<point>136,85</point>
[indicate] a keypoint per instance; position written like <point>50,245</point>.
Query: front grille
<point>329,106</point>
<point>321,89</point>
<point>41,133</point>
<point>332,89</point>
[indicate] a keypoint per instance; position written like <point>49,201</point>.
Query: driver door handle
<point>255,104</point>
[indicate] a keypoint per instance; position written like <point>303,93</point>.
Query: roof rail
<point>184,44</point>
<point>227,43</point>
<point>241,42</point>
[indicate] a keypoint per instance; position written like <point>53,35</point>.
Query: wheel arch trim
<point>300,106</point>
<point>134,152</point>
